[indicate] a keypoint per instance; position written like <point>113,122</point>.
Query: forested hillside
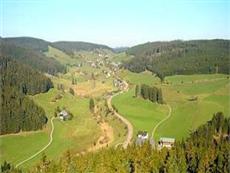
<point>30,57</point>
<point>28,42</point>
<point>71,47</point>
<point>206,150</point>
<point>18,112</point>
<point>181,57</point>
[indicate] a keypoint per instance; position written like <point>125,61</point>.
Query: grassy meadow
<point>78,133</point>
<point>212,92</point>
<point>144,115</point>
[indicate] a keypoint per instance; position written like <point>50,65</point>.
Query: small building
<point>142,136</point>
<point>166,142</point>
<point>119,84</point>
<point>63,115</point>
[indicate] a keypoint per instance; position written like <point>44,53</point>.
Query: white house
<point>63,115</point>
<point>142,136</point>
<point>166,142</point>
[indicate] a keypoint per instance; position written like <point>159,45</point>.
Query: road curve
<point>125,121</point>
<point>158,124</point>
<point>45,147</point>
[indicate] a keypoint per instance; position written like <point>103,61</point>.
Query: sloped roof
<point>63,113</point>
<point>164,139</point>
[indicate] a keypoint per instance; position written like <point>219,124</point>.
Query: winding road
<point>125,121</point>
<point>44,148</point>
<point>163,120</point>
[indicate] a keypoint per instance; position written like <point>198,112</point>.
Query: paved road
<point>125,121</point>
<point>158,124</point>
<point>44,148</point>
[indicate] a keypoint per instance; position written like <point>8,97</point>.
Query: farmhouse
<point>166,142</point>
<point>142,136</point>
<point>63,115</point>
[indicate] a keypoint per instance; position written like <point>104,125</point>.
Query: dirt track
<point>44,148</point>
<point>125,121</point>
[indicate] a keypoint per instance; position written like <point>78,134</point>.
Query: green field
<point>139,78</point>
<point>60,56</point>
<point>121,57</point>
<point>143,115</point>
<point>212,92</point>
<point>213,96</point>
<point>80,133</point>
<point>76,134</point>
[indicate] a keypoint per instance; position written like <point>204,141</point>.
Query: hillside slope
<point>71,47</point>
<point>18,112</point>
<point>205,150</point>
<point>181,57</point>
<point>28,42</point>
<point>30,57</point>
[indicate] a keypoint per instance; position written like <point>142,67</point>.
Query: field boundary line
<point>44,148</point>
<point>163,120</point>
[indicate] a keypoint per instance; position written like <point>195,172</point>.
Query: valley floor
<point>88,132</point>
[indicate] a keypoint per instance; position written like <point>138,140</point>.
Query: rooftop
<point>164,139</point>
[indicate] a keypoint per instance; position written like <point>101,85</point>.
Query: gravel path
<point>125,121</point>
<point>44,148</point>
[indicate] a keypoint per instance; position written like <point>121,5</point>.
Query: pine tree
<point>137,91</point>
<point>91,105</point>
<point>159,96</point>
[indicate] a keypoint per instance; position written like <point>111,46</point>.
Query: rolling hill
<point>28,43</point>
<point>33,58</point>
<point>71,47</point>
<point>181,57</point>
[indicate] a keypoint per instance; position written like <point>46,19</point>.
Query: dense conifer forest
<point>181,57</point>
<point>30,57</point>
<point>18,112</point>
<point>28,42</point>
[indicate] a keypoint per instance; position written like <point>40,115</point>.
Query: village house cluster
<point>120,84</point>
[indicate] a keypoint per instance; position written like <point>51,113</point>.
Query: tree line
<point>151,93</point>
<point>18,111</point>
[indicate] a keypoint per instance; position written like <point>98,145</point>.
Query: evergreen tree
<point>159,96</point>
<point>91,105</point>
<point>71,91</point>
<point>151,93</point>
<point>137,91</point>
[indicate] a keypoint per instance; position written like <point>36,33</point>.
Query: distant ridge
<point>181,57</point>
<point>28,42</point>
<point>70,47</point>
<point>32,55</point>
<point>42,45</point>
<point>120,49</point>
